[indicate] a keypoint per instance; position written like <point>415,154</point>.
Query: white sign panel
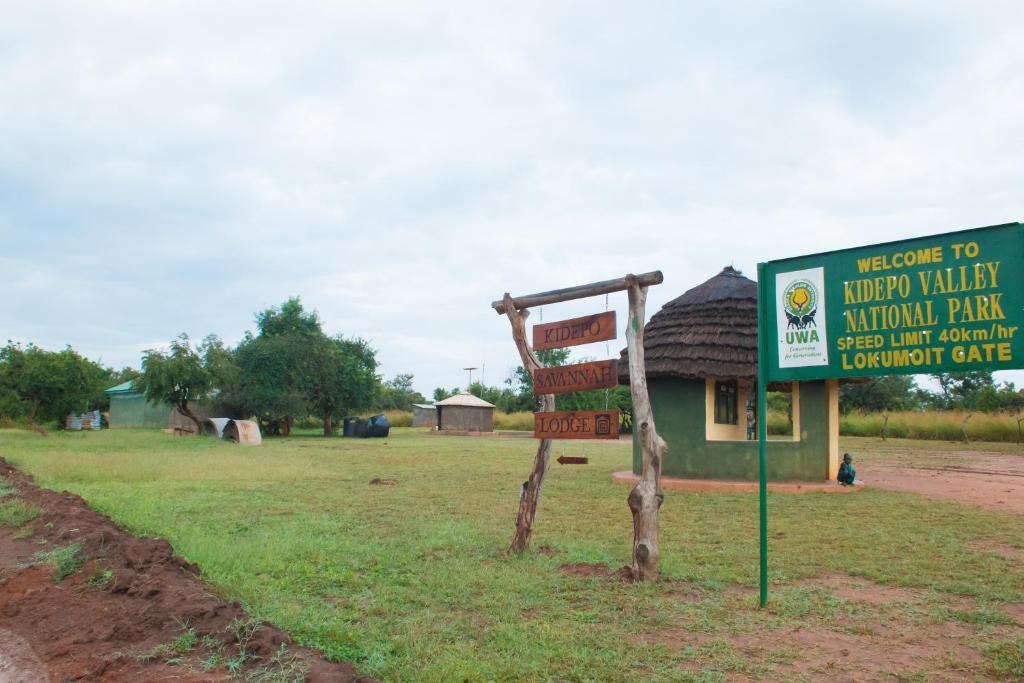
<point>800,307</point>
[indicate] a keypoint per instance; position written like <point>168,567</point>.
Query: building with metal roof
<point>129,408</point>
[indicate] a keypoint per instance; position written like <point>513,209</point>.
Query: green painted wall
<point>132,410</point>
<point>679,416</point>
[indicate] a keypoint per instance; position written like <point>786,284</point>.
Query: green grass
<point>13,510</point>
<point>410,581</point>
<point>65,560</point>
<point>1007,658</point>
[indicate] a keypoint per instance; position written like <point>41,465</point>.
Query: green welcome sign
<point>947,303</point>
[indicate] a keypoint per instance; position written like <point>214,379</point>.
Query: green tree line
<point>976,391</point>
<point>287,370</point>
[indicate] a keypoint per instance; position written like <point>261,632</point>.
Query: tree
<point>178,377</point>
<point>289,318</point>
<point>398,394</point>
<point>45,386</point>
<point>490,394</point>
<point>277,368</point>
<point>343,381</point>
<point>274,378</point>
<point>962,390</point>
<point>885,393</point>
<point>291,369</point>
<point>441,393</point>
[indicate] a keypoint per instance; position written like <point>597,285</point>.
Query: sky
<point>175,166</point>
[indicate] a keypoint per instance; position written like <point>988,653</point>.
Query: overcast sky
<point>171,167</point>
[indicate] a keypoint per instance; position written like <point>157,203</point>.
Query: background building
<point>465,412</point>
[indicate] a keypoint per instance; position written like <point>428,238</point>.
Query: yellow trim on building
<point>721,432</point>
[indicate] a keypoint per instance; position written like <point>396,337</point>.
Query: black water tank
<point>379,426</point>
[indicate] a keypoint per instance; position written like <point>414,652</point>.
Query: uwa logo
<point>801,303</point>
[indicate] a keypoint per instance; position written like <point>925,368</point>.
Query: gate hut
<point>701,356</point>
<point>465,412</point>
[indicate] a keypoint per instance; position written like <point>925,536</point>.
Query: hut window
<point>725,402</point>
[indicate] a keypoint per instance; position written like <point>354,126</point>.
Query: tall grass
<point>520,422</point>
<point>778,423</point>
<point>946,425</point>
<point>399,418</point>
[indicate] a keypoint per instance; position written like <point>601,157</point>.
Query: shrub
<point>308,422</point>
<point>399,418</point>
<point>517,422</point>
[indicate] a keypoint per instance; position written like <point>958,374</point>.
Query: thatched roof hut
<point>700,352</point>
<point>709,331</point>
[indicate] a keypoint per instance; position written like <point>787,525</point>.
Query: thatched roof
<point>710,331</point>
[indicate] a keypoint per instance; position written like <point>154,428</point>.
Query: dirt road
<point>986,475</point>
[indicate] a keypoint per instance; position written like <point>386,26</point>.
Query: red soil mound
<point>132,611</point>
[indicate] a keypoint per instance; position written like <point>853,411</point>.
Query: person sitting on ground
<point>847,475</point>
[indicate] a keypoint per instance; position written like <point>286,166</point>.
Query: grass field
<point>410,580</point>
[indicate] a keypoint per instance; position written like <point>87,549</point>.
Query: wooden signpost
<point>600,374</point>
<point>581,424</point>
<point>565,333</point>
<point>645,498</point>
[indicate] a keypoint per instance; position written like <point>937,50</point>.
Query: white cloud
<point>399,166</point>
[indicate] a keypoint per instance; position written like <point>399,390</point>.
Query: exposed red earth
<point>126,613</point>
<point>993,481</point>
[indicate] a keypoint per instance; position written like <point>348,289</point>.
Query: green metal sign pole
<point>762,424</point>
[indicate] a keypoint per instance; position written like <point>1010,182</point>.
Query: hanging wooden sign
<point>575,331</point>
<point>601,374</point>
<point>573,460</point>
<point>581,424</point>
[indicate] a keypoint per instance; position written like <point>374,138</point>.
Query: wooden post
<point>581,292</point>
<point>531,493</point>
<point>646,497</point>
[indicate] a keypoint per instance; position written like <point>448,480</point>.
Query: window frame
<point>726,402</point>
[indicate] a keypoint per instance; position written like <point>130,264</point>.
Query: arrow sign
<point>572,460</point>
